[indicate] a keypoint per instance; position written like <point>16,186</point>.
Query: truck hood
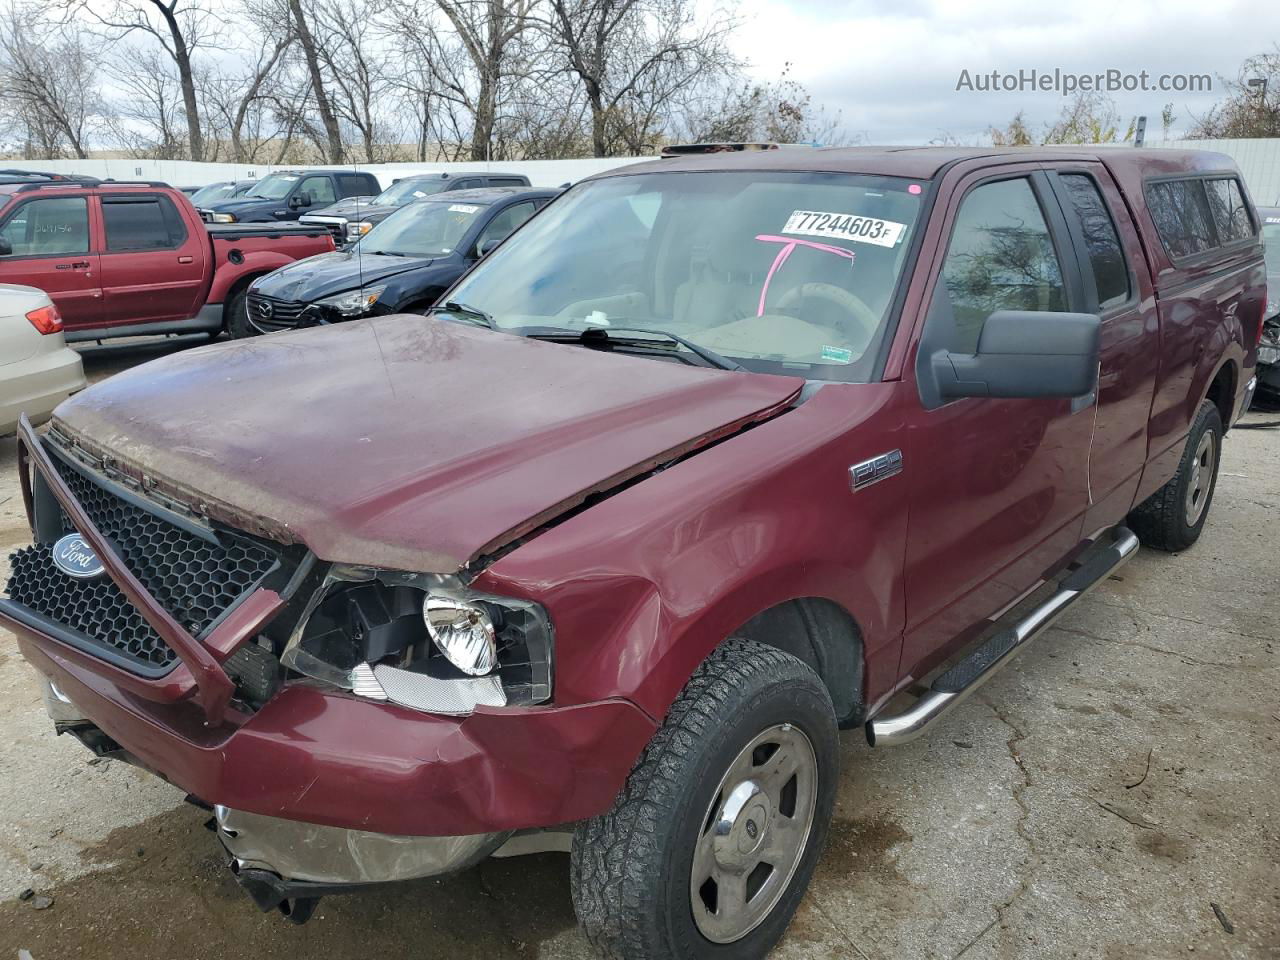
<point>328,273</point>
<point>405,442</point>
<point>351,208</point>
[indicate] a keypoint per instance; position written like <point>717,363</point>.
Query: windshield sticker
<point>845,226</point>
<point>462,208</point>
<point>837,354</point>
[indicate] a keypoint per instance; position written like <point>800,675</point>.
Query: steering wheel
<point>851,304</point>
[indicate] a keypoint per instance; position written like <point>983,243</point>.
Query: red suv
<point>714,456</point>
<point>124,259</point>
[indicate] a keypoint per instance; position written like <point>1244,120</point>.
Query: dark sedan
<point>401,266</point>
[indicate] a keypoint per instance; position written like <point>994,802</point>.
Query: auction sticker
<point>845,226</point>
<point>462,208</point>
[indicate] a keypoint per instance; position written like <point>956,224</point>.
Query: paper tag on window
<point>845,226</point>
<point>462,208</point>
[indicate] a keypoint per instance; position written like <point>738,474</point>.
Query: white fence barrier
<point>184,173</point>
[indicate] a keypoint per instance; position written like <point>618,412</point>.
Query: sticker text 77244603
<point>845,226</point>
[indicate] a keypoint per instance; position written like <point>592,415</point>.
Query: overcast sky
<point>891,66</point>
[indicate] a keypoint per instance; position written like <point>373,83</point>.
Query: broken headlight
<point>424,641</point>
<point>353,303</point>
<point>1269,344</point>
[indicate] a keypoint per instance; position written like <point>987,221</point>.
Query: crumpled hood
<point>329,273</point>
<point>404,441</point>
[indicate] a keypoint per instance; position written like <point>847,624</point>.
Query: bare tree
<point>1251,107</point>
<point>778,112</point>
<point>320,93</point>
<point>634,58</point>
<point>148,120</point>
<point>49,83</point>
<point>180,27</point>
<point>238,103</point>
<point>1086,118</point>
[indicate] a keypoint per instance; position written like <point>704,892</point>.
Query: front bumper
<point>37,385</point>
<point>329,758</point>
<point>309,852</point>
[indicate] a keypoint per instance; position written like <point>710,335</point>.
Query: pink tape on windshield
<point>790,244</point>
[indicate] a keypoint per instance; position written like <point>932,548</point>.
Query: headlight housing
<point>424,641</point>
<point>224,218</point>
<point>357,230</point>
<point>353,303</point>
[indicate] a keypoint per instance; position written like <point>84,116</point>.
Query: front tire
<point>238,325</point>
<point>711,843</point>
<point>1173,517</point>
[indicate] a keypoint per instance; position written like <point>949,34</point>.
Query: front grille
<point>270,314</point>
<point>336,226</point>
<point>195,580</point>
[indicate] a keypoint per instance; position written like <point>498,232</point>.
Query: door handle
<point>185,259</point>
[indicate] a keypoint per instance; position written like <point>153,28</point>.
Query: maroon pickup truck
<point>713,457</point>
<point>123,259</point>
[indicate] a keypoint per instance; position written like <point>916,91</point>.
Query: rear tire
<point>711,843</point>
<point>238,325</point>
<point>1173,516</point>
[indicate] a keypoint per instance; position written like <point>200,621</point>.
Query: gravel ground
<point>1094,801</point>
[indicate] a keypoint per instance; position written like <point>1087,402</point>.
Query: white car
<point>37,368</point>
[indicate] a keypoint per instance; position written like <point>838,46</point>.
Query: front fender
<point>644,585</point>
<point>255,264</point>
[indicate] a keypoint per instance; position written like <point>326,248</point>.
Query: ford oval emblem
<point>76,558</point>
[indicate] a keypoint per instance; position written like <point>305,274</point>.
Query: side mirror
<point>1024,353</point>
<point>485,247</point>
<point>6,248</point>
<point>300,200</point>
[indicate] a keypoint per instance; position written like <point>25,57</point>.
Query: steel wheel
<point>754,833</point>
<point>1200,482</point>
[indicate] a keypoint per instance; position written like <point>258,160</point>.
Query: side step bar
<point>954,686</point>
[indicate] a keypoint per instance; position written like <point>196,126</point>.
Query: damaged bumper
<point>332,759</point>
<point>312,853</point>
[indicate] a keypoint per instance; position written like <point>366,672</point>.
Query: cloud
<point>891,68</point>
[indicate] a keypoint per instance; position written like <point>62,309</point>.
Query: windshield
<point>432,228</point>
<point>787,273</point>
<point>276,186</point>
<point>212,193</point>
<point>406,190</point>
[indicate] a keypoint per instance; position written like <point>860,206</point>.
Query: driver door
<point>998,486</point>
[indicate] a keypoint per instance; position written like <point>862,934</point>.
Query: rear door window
<point>1001,257</point>
<point>141,223</point>
<point>50,226</point>
<point>355,186</point>
<point>1181,214</point>
<point>1230,212</point>
<point>1110,272</point>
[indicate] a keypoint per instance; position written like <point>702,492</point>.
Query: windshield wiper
<point>473,314</point>
<point>709,356</point>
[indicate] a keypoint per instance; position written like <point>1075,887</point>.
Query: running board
<point>955,685</point>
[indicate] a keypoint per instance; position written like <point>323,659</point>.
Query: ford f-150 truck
<point>287,194</point>
<point>123,259</point>
<point>715,456</point>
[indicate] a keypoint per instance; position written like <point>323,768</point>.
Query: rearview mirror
<point>6,248</point>
<point>1024,353</point>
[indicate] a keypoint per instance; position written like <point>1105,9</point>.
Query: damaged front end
<point>1269,356</point>
<point>423,641</point>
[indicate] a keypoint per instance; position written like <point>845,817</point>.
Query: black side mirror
<point>6,248</point>
<point>1024,353</point>
<point>485,247</point>
<point>300,200</point>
